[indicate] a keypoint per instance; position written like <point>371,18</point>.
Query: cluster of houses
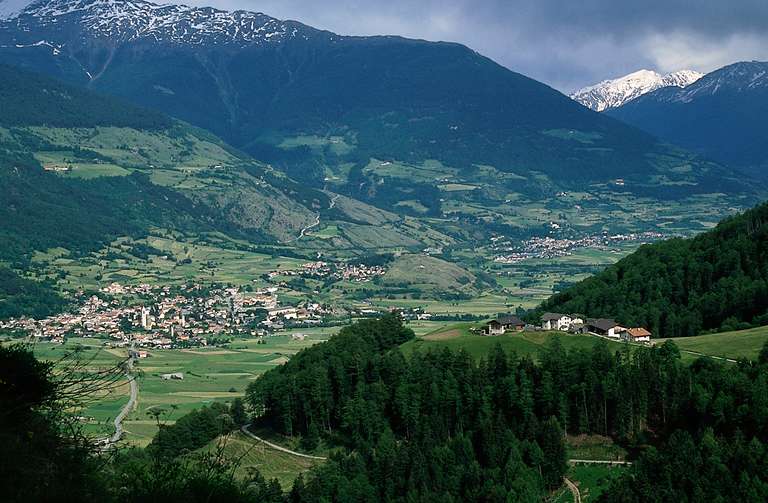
<point>331,270</point>
<point>162,317</point>
<point>548,247</point>
<point>571,323</point>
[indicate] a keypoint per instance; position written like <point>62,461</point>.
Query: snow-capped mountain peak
<point>139,19</point>
<point>615,92</point>
<point>735,78</point>
<point>11,8</point>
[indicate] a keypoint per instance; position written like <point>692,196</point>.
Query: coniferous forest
<point>432,427</point>
<point>681,287</point>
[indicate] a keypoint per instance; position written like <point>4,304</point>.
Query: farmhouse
<point>558,321</point>
<point>501,325</point>
<point>637,334</point>
<point>604,327</point>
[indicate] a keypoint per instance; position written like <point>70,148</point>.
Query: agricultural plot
<point>101,408</point>
<point>210,374</point>
<point>429,171</point>
<point>338,145</point>
<point>187,259</point>
<point>484,304</point>
<point>130,148</point>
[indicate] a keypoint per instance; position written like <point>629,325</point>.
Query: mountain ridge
<point>613,93</point>
<point>400,98</point>
<point>720,116</point>
<point>419,129</point>
<point>139,19</point>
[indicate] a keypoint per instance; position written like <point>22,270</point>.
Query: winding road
<point>574,490</point>
<point>125,411</point>
<point>246,431</point>
<point>304,230</point>
<point>118,422</point>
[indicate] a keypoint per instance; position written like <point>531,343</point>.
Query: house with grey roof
<point>503,324</point>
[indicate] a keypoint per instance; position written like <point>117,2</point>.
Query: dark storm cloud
<point>565,44</point>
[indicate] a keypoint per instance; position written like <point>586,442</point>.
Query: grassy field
<point>248,454</point>
<point>735,345</point>
<point>486,304</point>
<point>458,336</point>
<point>593,480</point>
<point>210,374</point>
<point>428,273</point>
<point>104,406</point>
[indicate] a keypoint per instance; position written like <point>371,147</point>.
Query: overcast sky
<point>566,44</point>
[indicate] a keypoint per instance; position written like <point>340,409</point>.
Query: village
<point>551,247</point>
<point>164,317</point>
<point>334,271</point>
<point>570,323</point>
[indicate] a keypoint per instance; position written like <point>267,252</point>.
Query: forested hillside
<point>327,108</point>
<point>40,210</point>
<point>434,427</point>
<point>415,430</point>
<point>29,99</point>
<point>439,424</point>
<point>680,287</point>
<point>24,297</point>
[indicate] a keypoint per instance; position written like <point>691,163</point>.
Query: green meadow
<point>459,337</point>
<point>248,454</point>
<point>593,480</point>
<point>733,345</point>
<point>210,374</point>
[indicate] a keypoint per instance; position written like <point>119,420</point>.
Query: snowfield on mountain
<point>613,93</point>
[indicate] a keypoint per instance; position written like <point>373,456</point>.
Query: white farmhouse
<point>558,321</point>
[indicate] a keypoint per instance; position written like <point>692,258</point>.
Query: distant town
<point>164,317</point>
<point>547,247</point>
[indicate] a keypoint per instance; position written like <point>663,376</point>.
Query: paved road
<point>126,410</point>
<point>278,447</point>
<point>118,434</point>
<point>574,490</point>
